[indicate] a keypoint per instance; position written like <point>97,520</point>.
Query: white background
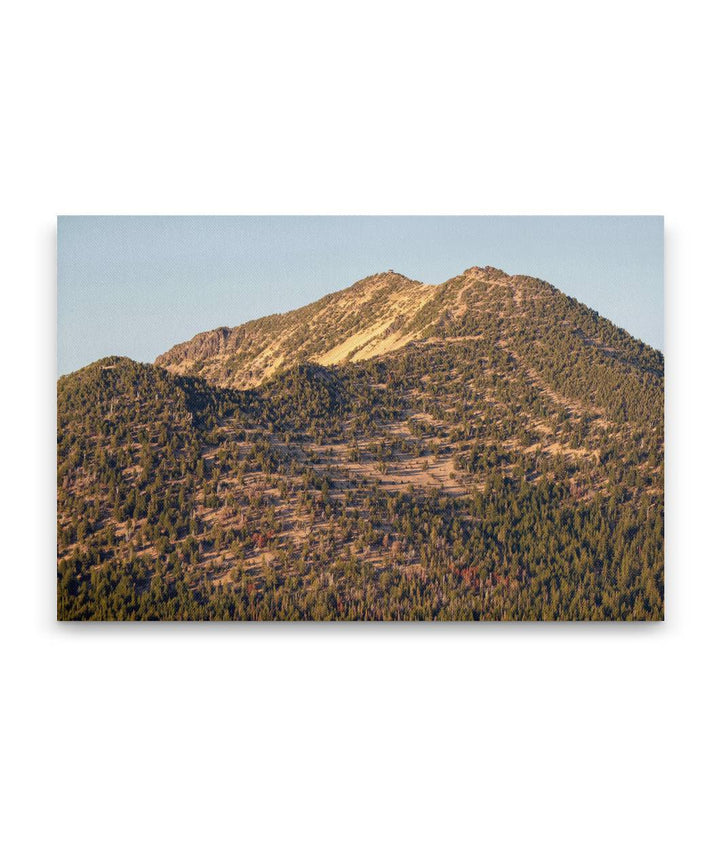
<point>358,739</point>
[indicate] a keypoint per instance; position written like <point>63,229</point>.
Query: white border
<point>314,739</point>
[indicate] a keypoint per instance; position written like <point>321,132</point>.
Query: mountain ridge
<point>375,316</point>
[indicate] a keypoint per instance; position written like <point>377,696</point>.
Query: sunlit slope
<point>386,312</point>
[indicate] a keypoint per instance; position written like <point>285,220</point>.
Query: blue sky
<point>135,286</point>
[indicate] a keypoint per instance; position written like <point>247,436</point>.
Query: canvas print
<point>360,419</point>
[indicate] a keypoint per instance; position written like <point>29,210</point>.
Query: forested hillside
<point>483,449</point>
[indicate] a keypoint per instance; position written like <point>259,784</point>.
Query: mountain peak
<point>385,278</point>
<point>487,271</point>
<point>376,316</point>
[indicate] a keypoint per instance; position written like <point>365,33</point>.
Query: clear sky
<point>135,286</point>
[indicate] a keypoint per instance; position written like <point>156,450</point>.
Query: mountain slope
<point>386,312</point>
<point>361,321</point>
<point>505,461</point>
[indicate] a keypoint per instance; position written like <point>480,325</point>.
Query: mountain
<point>370,318</point>
<point>487,448</point>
